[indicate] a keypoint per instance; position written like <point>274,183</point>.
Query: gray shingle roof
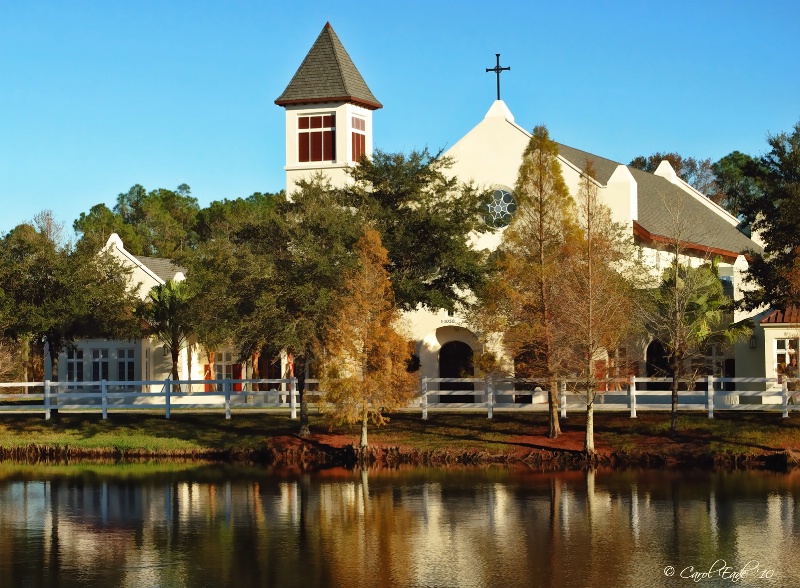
<point>327,74</point>
<point>666,210</point>
<point>163,268</point>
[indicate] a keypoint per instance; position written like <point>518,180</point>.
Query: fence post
<point>785,394</point>
<point>47,400</point>
<point>632,397</point>
<point>563,385</point>
<point>292,400</point>
<point>424,393</point>
<point>167,388</point>
<point>226,386</point>
<point>489,396</point>
<point>710,395</point>
<point>104,398</point>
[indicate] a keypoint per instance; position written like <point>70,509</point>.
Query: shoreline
<point>308,455</point>
<point>756,441</point>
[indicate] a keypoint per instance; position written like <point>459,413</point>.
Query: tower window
<point>316,138</point>
<point>359,137</point>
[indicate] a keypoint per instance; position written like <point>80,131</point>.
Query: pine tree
<point>596,306</point>
<point>519,299</point>
<point>365,357</point>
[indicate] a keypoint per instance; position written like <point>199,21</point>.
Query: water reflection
<point>211,526</point>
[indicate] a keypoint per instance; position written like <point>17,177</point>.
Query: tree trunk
<point>588,445</point>
<point>212,373</point>
<point>363,443</point>
<point>675,382</point>
<point>189,363</point>
<point>54,373</point>
<point>54,365</point>
<point>256,371</point>
<point>175,377</point>
<point>300,374</point>
<point>552,402</point>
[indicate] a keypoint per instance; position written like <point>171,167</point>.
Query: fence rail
<point>488,394</point>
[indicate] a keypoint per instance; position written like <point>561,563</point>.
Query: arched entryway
<point>657,365</point>
<point>455,361</point>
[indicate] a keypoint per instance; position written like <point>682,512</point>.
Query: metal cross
<point>497,69</point>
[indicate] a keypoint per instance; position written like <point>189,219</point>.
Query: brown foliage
<point>364,359</point>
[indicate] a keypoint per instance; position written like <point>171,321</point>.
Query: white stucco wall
<point>335,170</point>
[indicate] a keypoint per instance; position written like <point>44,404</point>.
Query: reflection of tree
<point>402,528</point>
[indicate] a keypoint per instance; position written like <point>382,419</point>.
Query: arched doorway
<point>657,365</point>
<point>455,361</point>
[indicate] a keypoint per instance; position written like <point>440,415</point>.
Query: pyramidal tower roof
<point>327,74</point>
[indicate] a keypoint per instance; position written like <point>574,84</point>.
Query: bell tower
<point>328,113</point>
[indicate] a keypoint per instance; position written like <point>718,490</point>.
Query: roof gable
<point>665,208</point>
<point>790,315</point>
<point>165,269</point>
<point>327,74</point>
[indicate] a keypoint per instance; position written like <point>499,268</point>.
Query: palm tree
<point>167,316</point>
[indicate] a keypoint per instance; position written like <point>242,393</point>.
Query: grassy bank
<point>729,439</point>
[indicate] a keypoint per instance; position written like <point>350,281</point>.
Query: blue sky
<point>98,96</point>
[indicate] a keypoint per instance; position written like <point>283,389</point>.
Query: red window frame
<point>358,139</point>
<point>316,137</point>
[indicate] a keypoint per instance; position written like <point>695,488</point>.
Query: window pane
<point>302,122</point>
<point>327,145</point>
<point>328,122</point>
<point>316,146</point>
<point>303,143</point>
<point>316,122</point>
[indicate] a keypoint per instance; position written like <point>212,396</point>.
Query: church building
<point>328,94</point>
<point>329,126</point>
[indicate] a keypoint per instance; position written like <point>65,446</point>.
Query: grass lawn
<point>513,435</point>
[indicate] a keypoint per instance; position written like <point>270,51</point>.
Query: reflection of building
<point>407,527</point>
<point>329,120</point>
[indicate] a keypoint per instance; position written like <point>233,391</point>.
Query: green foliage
<point>425,219</point>
<point>774,211</point>
<point>736,183</point>
<point>689,305</point>
<point>685,313</point>
<point>158,223</point>
<point>59,293</point>
<point>224,276</point>
<point>297,255</point>
<point>698,173</point>
<point>168,319</point>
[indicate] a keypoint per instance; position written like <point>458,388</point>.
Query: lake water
<point>187,526</point>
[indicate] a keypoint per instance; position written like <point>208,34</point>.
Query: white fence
<point>707,394</point>
<point>166,395</point>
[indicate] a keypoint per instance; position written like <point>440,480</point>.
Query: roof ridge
<point>339,65</point>
<point>328,74</point>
